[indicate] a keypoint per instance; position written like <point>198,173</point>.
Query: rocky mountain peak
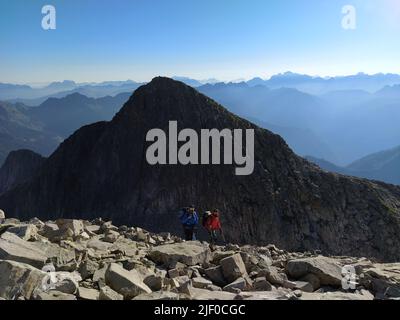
<point>101,170</point>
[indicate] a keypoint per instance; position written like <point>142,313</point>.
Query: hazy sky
<point>99,40</point>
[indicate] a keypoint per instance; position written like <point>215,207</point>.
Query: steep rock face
<point>102,170</point>
<point>19,167</point>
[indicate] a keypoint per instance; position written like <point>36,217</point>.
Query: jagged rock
<point>49,230</point>
<point>280,294</point>
<point>326,269</point>
<point>384,279</point>
<point>276,277</point>
<point>25,231</point>
<point>127,283</point>
<point>111,236</point>
<point>219,255</point>
<point>304,286</point>
<point>190,253</point>
<point>158,295</point>
<point>233,267</point>
<point>92,229</point>
<point>76,226</point>
<point>203,294</point>
<point>261,284</point>
<point>88,294</point>
<point>201,283</point>
<point>54,295</point>
<point>66,282</point>
<point>36,222</point>
<point>239,284</point>
<point>63,259</point>
<point>15,249</point>
<point>99,245</point>
<point>99,276</point>
<point>88,268</point>
<point>106,293</point>
<point>364,295</point>
<point>313,280</point>
<point>216,276</point>
<point>154,282</point>
<point>19,279</point>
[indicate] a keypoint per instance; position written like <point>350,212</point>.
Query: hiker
<point>189,219</point>
<point>211,221</point>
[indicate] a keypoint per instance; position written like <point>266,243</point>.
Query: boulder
<point>313,280</point>
<point>76,226</point>
<point>201,283</point>
<point>88,294</point>
<point>154,282</point>
<point>65,282</point>
<point>238,285</point>
<point>111,236</point>
<point>106,293</point>
<point>216,276</point>
<point>304,286</point>
<point>328,270</point>
<point>25,231</point>
<point>88,268</point>
<point>158,295</point>
<point>383,279</point>
<point>337,295</point>
<point>127,283</point>
<point>233,267</point>
<point>54,295</point>
<point>261,284</point>
<point>190,253</point>
<point>19,280</point>
<point>203,294</point>
<point>14,248</point>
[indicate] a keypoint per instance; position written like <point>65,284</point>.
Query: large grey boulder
<point>328,270</point>
<point>158,295</point>
<point>127,283</point>
<point>189,253</point>
<point>19,280</point>
<point>106,293</point>
<point>14,248</point>
<point>25,231</point>
<point>88,294</point>
<point>216,276</point>
<point>382,279</point>
<point>233,267</point>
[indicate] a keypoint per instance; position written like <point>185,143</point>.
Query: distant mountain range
<point>317,85</point>
<point>35,96</point>
<point>382,166</point>
<point>42,128</point>
<point>349,123</point>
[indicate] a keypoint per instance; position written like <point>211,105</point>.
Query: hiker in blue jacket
<point>189,220</point>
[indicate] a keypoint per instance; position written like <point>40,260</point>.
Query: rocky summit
<point>101,170</point>
<point>96,260</point>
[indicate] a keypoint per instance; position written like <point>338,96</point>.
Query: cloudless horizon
<point>225,39</point>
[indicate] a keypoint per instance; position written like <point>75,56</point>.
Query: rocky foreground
<point>74,259</point>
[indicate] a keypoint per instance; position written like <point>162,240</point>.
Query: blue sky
<point>98,40</point>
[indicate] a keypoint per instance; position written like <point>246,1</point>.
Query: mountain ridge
<point>287,201</point>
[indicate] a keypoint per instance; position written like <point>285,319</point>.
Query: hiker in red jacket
<point>212,223</point>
